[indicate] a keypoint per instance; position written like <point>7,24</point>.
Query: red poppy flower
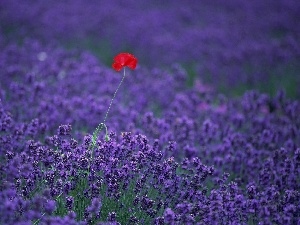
<point>124,59</point>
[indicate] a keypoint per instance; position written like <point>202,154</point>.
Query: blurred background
<point>231,46</point>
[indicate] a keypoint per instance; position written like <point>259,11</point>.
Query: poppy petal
<point>132,64</point>
<point>124,59</point>
<point>117,66</point>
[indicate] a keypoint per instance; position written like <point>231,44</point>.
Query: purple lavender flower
<point>50,206</point>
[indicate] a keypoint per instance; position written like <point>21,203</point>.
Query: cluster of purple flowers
<point>176,153</point>
<point>233,42</point>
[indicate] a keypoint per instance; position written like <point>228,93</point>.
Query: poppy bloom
<point>124,59</point>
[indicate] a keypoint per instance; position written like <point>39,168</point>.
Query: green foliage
<point>192,73</point>
<point>101,48</point>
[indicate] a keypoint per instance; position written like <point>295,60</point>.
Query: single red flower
<point>124,59</point>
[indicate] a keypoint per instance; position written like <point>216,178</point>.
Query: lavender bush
<point>179,151</point>
<point>247,44</point>
<point>190,156</point>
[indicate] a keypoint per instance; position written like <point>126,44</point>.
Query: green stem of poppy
<point>101,125</point>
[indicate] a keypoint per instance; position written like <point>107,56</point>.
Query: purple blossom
<point>181,151</point>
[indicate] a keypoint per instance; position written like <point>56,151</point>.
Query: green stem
<point>100,126</point>
<point>38,220</point>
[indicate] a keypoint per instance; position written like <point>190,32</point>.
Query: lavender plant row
<point>174,155</point>
<point>232,42</point>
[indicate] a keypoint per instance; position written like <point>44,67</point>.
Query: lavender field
<point>205,130</point>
